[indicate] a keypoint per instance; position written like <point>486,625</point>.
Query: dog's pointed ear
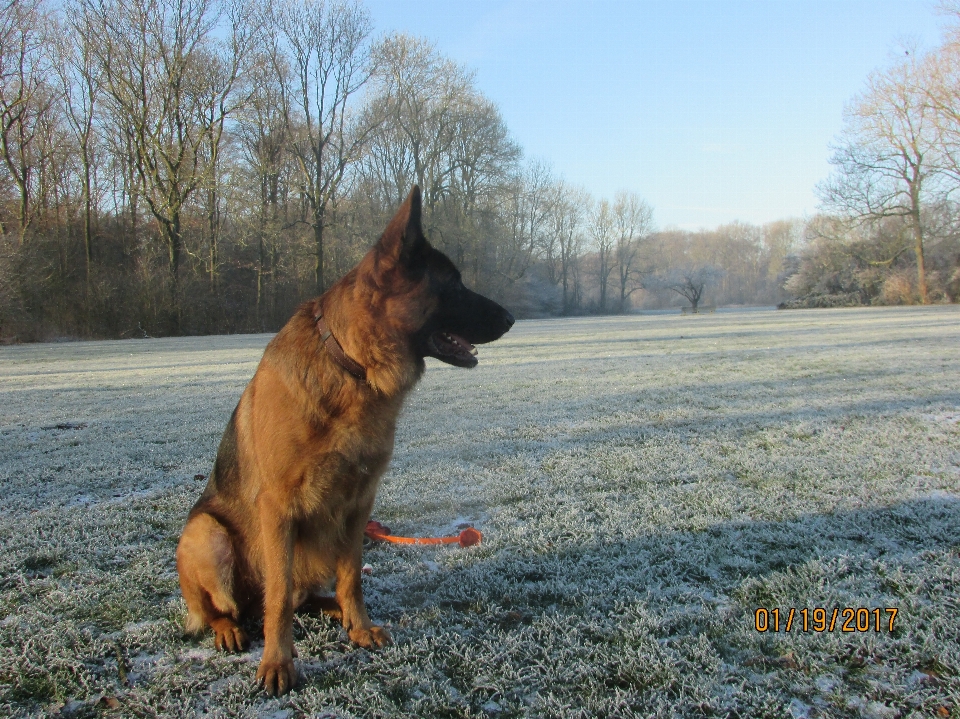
<point>404,234</point>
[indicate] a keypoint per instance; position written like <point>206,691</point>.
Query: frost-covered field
<point>643,484</point>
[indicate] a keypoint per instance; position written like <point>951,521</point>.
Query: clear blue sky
<point>713,111</point>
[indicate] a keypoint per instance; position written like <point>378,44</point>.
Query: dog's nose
<point>508,319</point>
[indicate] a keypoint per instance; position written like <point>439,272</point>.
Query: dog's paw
<point>277,678</point>
<point>370,638</point>
<point>228,637</point>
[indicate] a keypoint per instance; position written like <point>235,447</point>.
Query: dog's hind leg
<point>206,565</point>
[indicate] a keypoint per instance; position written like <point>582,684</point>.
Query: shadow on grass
<point>865,555</point>
<point>662,624</point>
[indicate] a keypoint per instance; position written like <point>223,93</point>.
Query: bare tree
<point>420,95</point>
<point>602,232</point>
<point>633,224</point>
<point>25,97</point>
<point>528,213</point>
<point>169,84</point>
<point>481,161</point>
<point>941,84</point>
<point>264,143</point>
<point>886,161</point>
<point>691,283</point>
<point>80,84</point>
<point>439,131</point>
<point>216,103</point>
<point>571,208</point>
<point>325,44</point>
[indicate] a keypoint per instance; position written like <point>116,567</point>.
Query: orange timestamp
<point>820,619</point>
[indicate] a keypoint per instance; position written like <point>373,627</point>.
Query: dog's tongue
<point>454,349</point>
<point>455,344</point>
<point>451,345</point>
<point>463,343</point>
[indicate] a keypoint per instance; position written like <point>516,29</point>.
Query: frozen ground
<point>643,484</point>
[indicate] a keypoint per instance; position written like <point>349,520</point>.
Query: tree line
<point>202,166</point>
<point>889,232</point>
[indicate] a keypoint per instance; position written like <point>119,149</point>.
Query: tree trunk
<point>918,249</point>
<point>213,225</point>
<point>24,209</point>
<point>174,243</point>
<point>131,181</point>
<point>603,287</point>
<point>260,259</point>
<point>87,220</point>
<point>318,223</point>
<point>563,278</point>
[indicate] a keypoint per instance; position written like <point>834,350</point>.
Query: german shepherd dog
<point>284,511</point>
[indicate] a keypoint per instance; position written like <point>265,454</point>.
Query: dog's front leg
<point>277,673</point>
<point>350,598</point>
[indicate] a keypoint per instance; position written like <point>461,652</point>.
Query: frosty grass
<point>643,485</point>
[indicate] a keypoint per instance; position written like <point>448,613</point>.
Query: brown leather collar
<point>336,351</point>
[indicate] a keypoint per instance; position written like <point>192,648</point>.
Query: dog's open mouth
<point>453,349</point>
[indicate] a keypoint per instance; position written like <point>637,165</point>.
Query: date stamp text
<point>820,619</point>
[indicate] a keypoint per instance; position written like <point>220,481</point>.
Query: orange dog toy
<point>377,532</point>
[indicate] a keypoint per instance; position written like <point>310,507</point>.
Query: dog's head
<point>422,292</point>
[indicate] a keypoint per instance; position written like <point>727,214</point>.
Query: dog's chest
<point>337,489</point>
<point>344,473</point>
